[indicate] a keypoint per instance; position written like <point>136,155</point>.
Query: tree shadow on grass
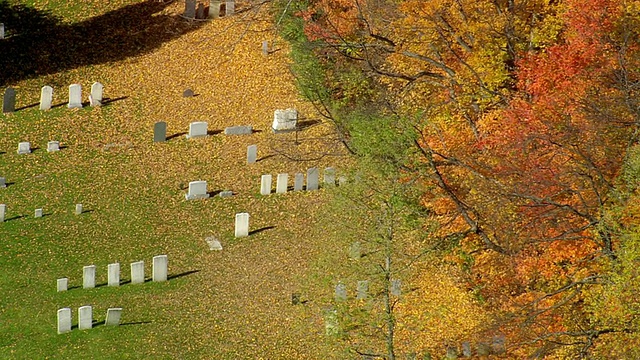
<point>39,43</point>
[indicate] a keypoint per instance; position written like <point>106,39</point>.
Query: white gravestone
<point>113,317</point>
<point>252,154</point>
<point>113,274</point>
<point>85,317</point>
<point>53,146</point>
<point>265,48</point>
<point>46,97</point>
<point>281,183</point>
<point>38,213</point>
<point>64,320</point>
<point>213,243</point>
<point>265,184</point>
<point>24,147</point>
<point>3,211</point>
<point>341,292</point>
<point>355,251</point>
<point>214,9</point>
<point>95,99</point>
<point>1,31</point>
<point>197,129</point>
<point>3,182</point>
<point>89,277</point>
<point>230,8</point>
<point>197,190</point>
<point>160,268</point>
<point>242,225</point>
<point>396,287</point>
<point>330,176</point>
<point>137,272</point>
<point>75,96</point>
<point>298,182</point>
<point>313,176</point>
<point>363,287</point>
<point>78,209</point>
<point>62,284</point>
<point>284,120</point>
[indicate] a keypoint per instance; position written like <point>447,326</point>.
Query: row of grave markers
<point>160,274</point>
<point>25,147</point>
<point>85,318</point>
<point>362,289</point>
<point>193,12</point>
<point>46,97</point>
<point>38,212</point>
<point>313,175</point>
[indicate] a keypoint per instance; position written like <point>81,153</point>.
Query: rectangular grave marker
<point>285,120</point>
<point>466,349</point>
<point>1,31</point>
<point>200,11</point>
<point>64,320</point>
<point>252,154</point>
<point>3,182</point>
<point>85,317</point>
<point>341,292</point>
<point>89,277</point>
<point>226,193</point>
<point>46,97</point>
<point>230,8</point>
<point>363,288</point>
<point>197,129</point>
<point>53,146</point>
<point>190,9</point>
<point>3,211</point>
<point>242,225</point>
<point>313,175</point>
<point>95,99</point>
<point>239,130</point>
<point>265,184</point>
<point>160,268</point>
<point>281,183</point>
<point>331,323</point>
<point>197,190</point>
<point>265,48</point>
<point>38,213</point>
<point>137,272</point>
<point>78,209</point>
<point>24,147</point>
<point>75,96</point>
<point>9,100</point>
<point>214,9</point>
<point>113,317</point>
<point>298,182</point>
<point>330,176</point>
<point>355,251</point>
<point>62,284</point>
<point>160,132</point>
<point>113,274</point>
<point>396,287</point>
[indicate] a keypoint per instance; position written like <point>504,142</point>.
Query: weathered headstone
<point>230,8</point>
<point>3,182</point>
<point>355,251</point>
<point>498,344</point>
<point>200,11</point>
<point>298,182</point>
<point>330,176</point>
<point>252,154</point>
<point>113,317</point>
<point>160,131</point>
<point>38,213</point>
<point>160,268</point>
<point>363,288</point>
<point>137,272</point>
<point>452,353</point>
<point>95,99</point>
<point>242,225</point>
<point>331,324</point>
<point>281,183</point>
<point>53,146</point>
<point>113,274</point>
<point>64,320</point>
<point>1,31</point>
<point>197,129</point>
<point>466,349</point>
<point>239,130</point>
<point>342,180</point>
<point>483,349</point>
<point>78,209</point>
<point>313,176</point>
<point>75,96</point>
<point>396,287</point>
<point>188,93</point>
<point>24,147</point>
<point>341,292</point>
<point>197,190</point>
<point>62,284</point>
<point>3,211</point>
<point>190,9</point>
<point>9,100</point>
<point>265,48</point>
<point>46,97</point>
<point>214,9</point>
<point>284,120</point>
<point>265,184</point>
<point>213,243</point>
<point>89,277</point>
<point>85,317</point>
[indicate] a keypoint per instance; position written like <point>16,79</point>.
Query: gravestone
<point>342,180</point>
<point>239,130</point>
<point>284,120</point>
<point>113,317</point>
<point>64,320</point>
<point>265,48</point>
<point>313,175</point>
<point>62,284</point>
<point>355,251</point>
<point>363,288</point>
<point>188,93</point>
<point>137,272</point>
<point>3,182</point>
<point>78,209</point>
<point>214,9</point>
<point>225,193</point>
<point>213,243</point>
<point>466,349</point>
<point>498,344</point>
<point>85,317</point>
<point>265,184</point>
<point>331,324</point>
<point>197,190</point>
<point>1,31</point>
<point>197,129</point>
<point>75,96</point>
<point>38,213</point>
<point>330,176</point>
<point>242,225</point>
<point>452,353</point>
<point>396,287</point>
<point>230,8</point>
<point>200,11</point>
<point>341,292</point>
<point>9,100</point>
<point>160,268</point>
<point>53,146</point>
<point>281,183</point>
<point>252,154</point>
<point>298,182</point>
<point>24,148</point>
<point>483,349</point>
<point>89,277</point>
<point>3,211</point>
<point>190,9</point>
<point>95,99</point>
<point>46,97</point>
<point>113,274</point>
<point>160,131</point>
